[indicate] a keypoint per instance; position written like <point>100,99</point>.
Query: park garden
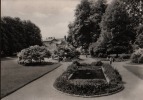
<point>100,29</point>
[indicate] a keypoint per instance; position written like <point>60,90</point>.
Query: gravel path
<point>42,89</point>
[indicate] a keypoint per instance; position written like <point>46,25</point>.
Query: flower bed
<point>72,82</point>
<point>112,74</point>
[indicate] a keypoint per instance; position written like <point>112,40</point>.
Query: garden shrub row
<point>26,63</point>
<point>88,87</point>
<point>112,74</point>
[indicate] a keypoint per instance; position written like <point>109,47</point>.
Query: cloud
<point>52,16</point>
<point>39,15</point>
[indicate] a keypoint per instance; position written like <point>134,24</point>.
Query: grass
<point>136,70</point>
<point>15,76</point>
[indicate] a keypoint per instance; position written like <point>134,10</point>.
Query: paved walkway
<point>42,89</point>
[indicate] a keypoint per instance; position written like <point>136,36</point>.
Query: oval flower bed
<point>95,79</point>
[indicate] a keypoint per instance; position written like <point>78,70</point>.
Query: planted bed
<point>88,80</point>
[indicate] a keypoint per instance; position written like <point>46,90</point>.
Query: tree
<point>120,27</point>
<point>97,10</point>
<point>33,32</point>
<point>68,52</point>
<point>17,35</point>
<point>85,28</point>
<point>134,9</point>
<point>139,39</point>
<point>115,23</point>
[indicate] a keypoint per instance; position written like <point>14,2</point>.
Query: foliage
<point>33,54</point>
<point>18,34</point>
<point>139,39</point>
<point>112,74</point>
<point>115,22</point>
<point>125,56</point>
<point>76,63</point>
<point>68,52</point>
<point>88,87</point>
<point>121,27</point>
<point>85,28</point>
<point>134,9</point>
<point>98,63</point>
<point>137,56</point>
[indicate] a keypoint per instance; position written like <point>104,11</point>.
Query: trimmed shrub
<point>33,55</point>
<point>88,87</point>
<point>98,63</point>
<point>125,56</point>
<point>73,67</point>
<point>76,63</point>
<point>137,56</point>
<point>112,74</point>
<point>68,53</point>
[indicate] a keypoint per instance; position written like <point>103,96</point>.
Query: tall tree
<point>97,10</point>
<point>139,39</point>
<point>121,26</point>
<point>17,35</point>
<point>85,28</point>
<point>116,23</point>
<point>135,10</point>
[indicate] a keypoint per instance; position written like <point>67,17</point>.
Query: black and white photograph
<point>71,49</point>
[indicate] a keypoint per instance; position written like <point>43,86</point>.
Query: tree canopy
<point>139,39</point>
<point>120,27</point>
<point>85,28</point>
<point>17,34</point>
<point>115,22</point>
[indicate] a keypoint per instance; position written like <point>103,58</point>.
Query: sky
<point>51,16</point>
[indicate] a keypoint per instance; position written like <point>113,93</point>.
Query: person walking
<point>111,60</point>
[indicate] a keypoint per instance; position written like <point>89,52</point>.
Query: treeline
<point>17,34</point>
<point>107,28</point>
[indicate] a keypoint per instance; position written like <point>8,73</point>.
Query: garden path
<point>42,89</point>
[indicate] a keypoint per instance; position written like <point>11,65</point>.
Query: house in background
<point>52,43</point>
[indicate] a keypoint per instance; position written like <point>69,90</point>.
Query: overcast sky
<point>51,16</point>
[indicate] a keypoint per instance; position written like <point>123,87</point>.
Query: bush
<point>76,63</point>
<point>98,63</point>
<point>68,52</point>
<point>73,67</point>
<point>125,56</point>
<point>33,55</point>
<point>112,74</point>
<point>102,55</point>
<point>88,87</point>
<point>137,56</point>
<point>141,59</point>
<point>80,87</point>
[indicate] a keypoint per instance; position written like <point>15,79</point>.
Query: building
<point>52,43</point>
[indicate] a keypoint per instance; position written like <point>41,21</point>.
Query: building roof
<point>50,39</point>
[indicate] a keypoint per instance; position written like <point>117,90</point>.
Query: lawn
<point>15,76</point>
<point>135,69</point>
